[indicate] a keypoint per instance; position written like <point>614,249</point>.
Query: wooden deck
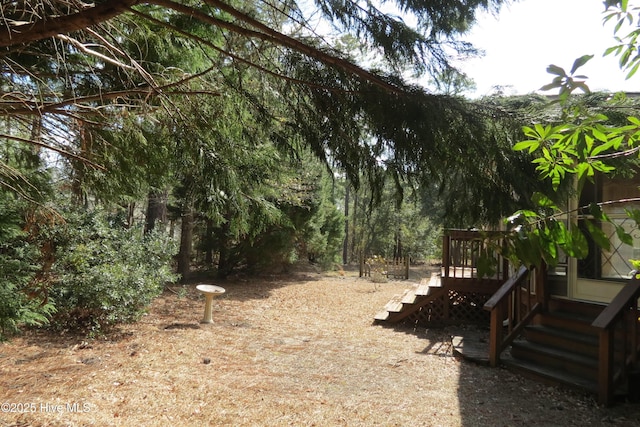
<point>589,347</point>
<point>471,344</point>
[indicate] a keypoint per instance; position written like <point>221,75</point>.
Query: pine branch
<point>50,26</point>
<point>65,153</point>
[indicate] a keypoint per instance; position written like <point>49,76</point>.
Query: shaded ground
<point>298,350</point>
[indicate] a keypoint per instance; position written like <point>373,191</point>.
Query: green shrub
<point>20,302</point>
<point>107,274</point>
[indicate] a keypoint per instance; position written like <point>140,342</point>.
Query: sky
<point>529,35</point>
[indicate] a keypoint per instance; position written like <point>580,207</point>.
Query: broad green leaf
<point>598,236</point>
<point>613,49</point>
<point>634,69</point>
<point>624,237</point>
<point>554,69</point>
<point>559,233</point>
<point>602,167</point>
<point>634,120</point>
<point>541,130</point>
<point>589,140</point>
<point>524,145</point>
<point>530,132</point>
<point>617,142</point>
<point>542,200</point>
<point>599,135</point>
<point>549,86</point>
<point>604,147</point>
<point>577,245</point>
<point>584,169</point>
<point>624,58</point>
<point>579,62</point>
<point>527,214</point>
<point>555,181</point>
<point>634,214</point>
<point>596,211</point>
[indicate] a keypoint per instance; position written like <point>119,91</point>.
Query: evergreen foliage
<point>21,300</point>
<point>216,104</point>
<point>393,230</point>
<point>24,188</point>
<point>106,273</point>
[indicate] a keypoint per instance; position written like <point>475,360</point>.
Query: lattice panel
<point>460,308</point>
<point>430,314</point>
<point>467,307</point>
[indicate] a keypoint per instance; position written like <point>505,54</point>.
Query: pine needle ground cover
<point>298,349</point>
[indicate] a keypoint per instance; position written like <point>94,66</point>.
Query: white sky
<point>531,34</point>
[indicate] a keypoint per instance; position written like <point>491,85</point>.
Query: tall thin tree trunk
<point>78,167</point>
<point>156,209</point>
<point>354,239</point>
<point>131,209</point>
<point>224,263</point>
<point>208,258</point>
<point>345,243</point>
<point>186,242</point>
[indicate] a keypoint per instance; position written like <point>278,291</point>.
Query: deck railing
<point>463,249</point>
<point>619,347</point>
<point>512,307</point>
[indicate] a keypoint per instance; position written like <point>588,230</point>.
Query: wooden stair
<point>413,299</point>
<point>560,347</point>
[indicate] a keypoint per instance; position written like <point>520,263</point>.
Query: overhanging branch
<point>52,26</point>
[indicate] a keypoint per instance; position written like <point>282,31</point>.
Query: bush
<point>107,274</point>
<point>21,303</point>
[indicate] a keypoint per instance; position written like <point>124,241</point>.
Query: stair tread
<point>427,287</point>
<point>578,317</point>
<point>381,315</point>
<point>409,296</point>
<point>556,352</point>
<point>587,309</point>
<point>564,333</point>
<point>552,374</point>
<point>395,305</point>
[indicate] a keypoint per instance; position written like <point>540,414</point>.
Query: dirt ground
<point>291,350</point>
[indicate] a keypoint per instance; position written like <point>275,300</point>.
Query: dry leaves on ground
<point>297,349</point>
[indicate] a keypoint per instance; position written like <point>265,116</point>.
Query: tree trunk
<point>131,210</point>
<point>397,247</point>
<point>345,243</point>
<point>77,166</point>
<point>186,242</point>
<point>156,210</point>
<point>224,263</point>
<point>356,249</point>
<point>209,244</point>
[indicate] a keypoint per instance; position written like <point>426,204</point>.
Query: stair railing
<point>512,308</point>
<point>619,317</point>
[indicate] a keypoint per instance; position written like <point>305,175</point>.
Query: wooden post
<point>634,332</point>
<point>605,367</point>
<point>495,336</point>
<point>445,254</point>
<point>542,290</point>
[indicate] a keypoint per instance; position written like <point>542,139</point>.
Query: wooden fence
<point>396,268</point>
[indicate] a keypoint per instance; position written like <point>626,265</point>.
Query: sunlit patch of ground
<point>296,349</point>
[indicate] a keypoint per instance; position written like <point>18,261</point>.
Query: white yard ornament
<point>209,291</point>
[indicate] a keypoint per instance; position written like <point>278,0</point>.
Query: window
<point>611,264</point>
